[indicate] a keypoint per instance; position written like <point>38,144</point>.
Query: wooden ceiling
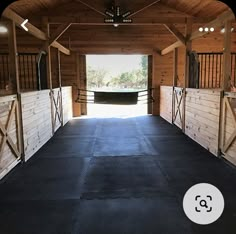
<point>89,34</point>
<point>196,8</point>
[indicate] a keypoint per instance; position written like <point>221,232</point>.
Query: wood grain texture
<point>228,136</point>
<point>67,104</point>
<point>202,119</point>
<point>36,111</point>
<point>166,99</point>
<point>9,141</point>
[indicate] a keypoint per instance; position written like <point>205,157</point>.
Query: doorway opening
<point>117,73</point>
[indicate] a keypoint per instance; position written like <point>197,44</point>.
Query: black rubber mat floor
<point>114,175</point>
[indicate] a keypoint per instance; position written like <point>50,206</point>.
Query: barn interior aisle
<point>72,161</point>
<point>113,175</point>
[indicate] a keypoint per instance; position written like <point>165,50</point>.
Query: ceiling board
<point>197,8</point>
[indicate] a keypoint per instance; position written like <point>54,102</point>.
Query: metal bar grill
<point>28,70</point>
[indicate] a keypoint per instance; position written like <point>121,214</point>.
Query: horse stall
<point>31,117</point>
<point>207,113</point>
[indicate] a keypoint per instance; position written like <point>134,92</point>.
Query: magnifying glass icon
<point>203,203</point>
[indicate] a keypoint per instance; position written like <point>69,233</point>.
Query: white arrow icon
<point>23,25</point>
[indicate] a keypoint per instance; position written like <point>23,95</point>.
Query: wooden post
<point>46,29</point>
<point>14,84</point>
<point>156,82</point>
<point>83,81</point>
<point>188,49</point>
<point>59,82</point>
<point>175,67</point>
<point>150,70</point>
<point>15,81</point>
<point>186,70</point>
<point>226,76</point>
<point>225,82</point>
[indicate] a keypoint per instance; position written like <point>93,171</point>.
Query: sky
<point>115,64</point>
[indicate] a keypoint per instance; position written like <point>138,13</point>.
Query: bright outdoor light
<point>212,29</point>
<point>206,29</point>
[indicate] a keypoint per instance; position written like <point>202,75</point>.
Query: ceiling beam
<point>59,32</point>
<point>11,15</point>
<point>137,21</point>
<point>176,33</point>
<point>218,22</point>
<point>171,47</point>
<point>60,47</point>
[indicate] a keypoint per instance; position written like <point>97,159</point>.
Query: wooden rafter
<point>59,32</point>
<point>137,21</point>
<point>176,33</point>
<point>171,47</point>
<point>226,16</point>
<point>9,14</point>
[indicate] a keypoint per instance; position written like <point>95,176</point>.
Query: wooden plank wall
<point>37,125</point>
<point>55,69</point>
<point>202,118</point>
<point>70,77</point>
<point>67,103</point>
<point>162,75</point>
<point>8,160</point>
<point>166,96</point>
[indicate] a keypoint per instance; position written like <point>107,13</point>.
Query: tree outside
<point>101,79</point>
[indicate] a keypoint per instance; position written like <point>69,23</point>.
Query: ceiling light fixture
<point>223,30</point>
<point>201,29</point>
<point>3,29</point>
<point>116,17</point>
<point>212,29</point>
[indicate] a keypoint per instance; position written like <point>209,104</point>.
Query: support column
<point>225,83</point>
<point>150,71</point>
<point>15,83</point>
<point>60,86</point>
<point>186,69</point>
<point>82,81</point>
<point>46,29</point>
<point>175,67</point>
<point>156,82</point>
<point>226,76</point>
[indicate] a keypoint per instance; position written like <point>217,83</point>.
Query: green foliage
<point>96,77</point>
<point>136,79</point>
